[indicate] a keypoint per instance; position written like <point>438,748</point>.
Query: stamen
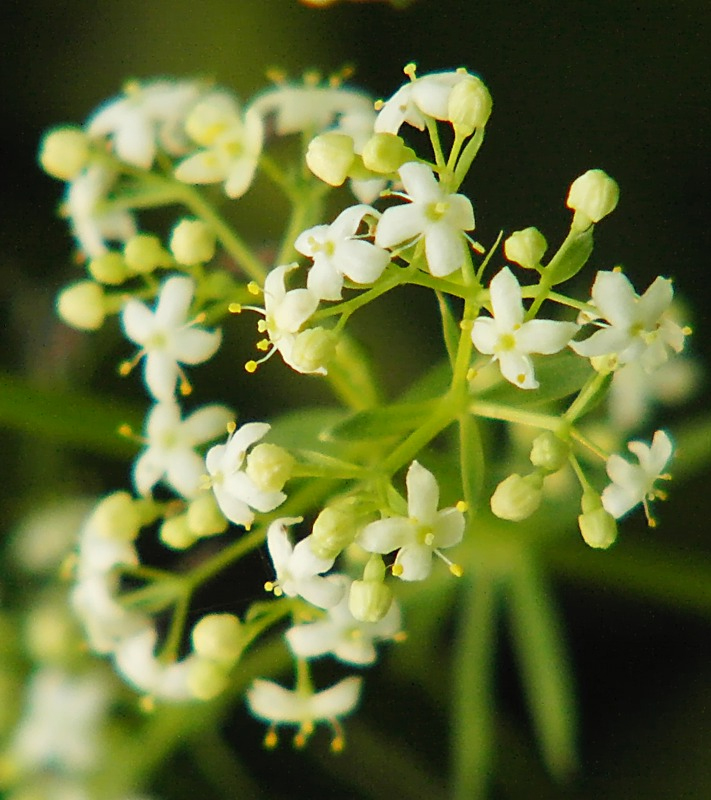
<point>251,366</point>
<point>147,704</point>
<point>276,75</point>
<point>126,366</point>
<point>410,70</point>
<point>263,345</point>
<point>235,308</point>
<point>338,742</point>
<point>378,104</point>
<point>456,569</point>
<point>231,427</point>
<point>271,739</point>
<point>253,288</point>
<point>396,570</point>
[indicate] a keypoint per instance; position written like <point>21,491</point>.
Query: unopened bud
<point>592,196</point>
<point>469,105</point>
<point>144,253</point>
<point>82,305</point>
<point>549,452</point>
<point>333,530</point>
<point>206,679</point>
<point>370,599</point>
<point>219,637</point>
<point>270,467</point>
<point>64,153</point>
<point>204,517</point>
<point>117,517</point>
<point>385,153</point>
<point>330,157</point>
<point>526,248</point>
<point>176,534</point>
<point>109,268</point>
<point>517,497</point>
<point>192,242</point>
<point>597,526</point>
<point>313,349</point>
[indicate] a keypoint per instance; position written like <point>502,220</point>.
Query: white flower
<point>298,569</point>
<point>279,706</point>
<point>420,535</point>
<point>633,484</point>
<point>432,214</point>
<point>171,441</point>
<point>145,118</point>
<point>340,633</point>
<point>136,661</point>
<point>166,337</point>
<point>93,228</point>
<point>640,328</point>
<point>337,252</point>
<point>511,340</point>
<point>423,97</point>
<point>235,492</point>
<point>232,142</point>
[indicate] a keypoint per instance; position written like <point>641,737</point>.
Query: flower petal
<point>400,224</point>
<point>416,562</point>
<point>517,368</point>
<point>506,300</point>
<point>544,336</point>
<point>422,494</point>
<point>386,535</point>
<point>615,298</point>
<point>444,248</point>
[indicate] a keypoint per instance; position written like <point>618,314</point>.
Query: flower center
<point>435,211</point>
<point>507,341</point>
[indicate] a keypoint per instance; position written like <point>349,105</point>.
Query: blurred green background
<point>624,86</point>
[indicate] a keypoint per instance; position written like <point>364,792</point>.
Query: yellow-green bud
<point>82,305</point>
<point>517,497</point>
<point>370,599</point>
<point>192,242</point>
<point>204,517</point>
<point>333,530</point>
<point>218,637</point>
<point>597,526</point>
<point>64,153</point>
<point>526,248</point>
<point>117,517</point>
<point>50,633</point>
<point>469,105</point>
<point>313,349</point>
<point>385,153</point>
<point>330,156</point>
<point>206,679</point>
<point>109,268</point>
<point>270,467</point>
<point>549,452</point>
<point>144,253</point>
<point>176,534</point>
<point>592,196</point>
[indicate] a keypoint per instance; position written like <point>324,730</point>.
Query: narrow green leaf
<point>350,376</point>
<point>570,258</point>
<point>450,329</point>
<point>433,383</point>
<point>304,429</point>
<point>545,670</point>
<point>471,460</point>
<point>382,422</point>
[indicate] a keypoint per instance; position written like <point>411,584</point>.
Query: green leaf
<point>304,429</point>
<point>433,383</point>
<point>545,670</point>
<point>570,258</point>
<point>382,422</point>
<point>450,328</point>
<point>350,376</point>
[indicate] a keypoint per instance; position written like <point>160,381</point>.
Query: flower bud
<point>517,497</point>
<point>592,196</point>
<point>117,517</point>
<point>330,157</point>
<point>176,534</point>
<point>64,153</point>
<point>333,530</point>
<point>370,599</point>
<point>109,268</point>
<point>204,517</point>
<point>50,634</point>
<point>192,242</point>
<point>549,452</point>
<point>82,305</point>
<point>313,348</point>
<point>144,253</point>
<point>206,679</point>
<point>270,467</point>
<point>526,248</point>
<point>218,637</point>
<point>385,153</point>
<point>469,105</point>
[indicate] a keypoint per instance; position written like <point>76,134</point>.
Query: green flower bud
<point>192,242</point>
<point>204,517</point>
<point>117,517</point>
<point>333,530</point>
<point>64,153</point>
<point>313,349</point>
<point>82,305</point>
<point>526,248</point>
<point>385,153</point>
<point>549,452</point>
<point>330,156</point>
<point>109,268</point>
<point>592,196</point>
<point>469,105</point>
<point>176,533</point>
<point>50,634</point>
<point>144,253</point>
<point>517,497</point>
<point>218,637</point>
<point>206,679</point>
<point>270,467</point>
<point>597,526</point>
<point>370,599</point>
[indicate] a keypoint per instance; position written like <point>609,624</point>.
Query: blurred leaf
<point>381,423</point>
<point>570,258</point>
<point>350,376</point>
<point>303,430</point>
<point>450,328</point>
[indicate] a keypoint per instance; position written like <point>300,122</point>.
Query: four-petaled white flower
<point>420,535</point>
<point>340,633</point>
<point>279,706</point>
<point>432,214</point>
<point>423,97</point>
<point>232,142</point>
<point>235,492</point>
<point>633,484</point>
<point>166,337</point>
<point>298,569</point>
<point>509,339</point>
<point>640,329</point>
<point>337,252</point>
<point>145,118</point>
<point>171,441</point>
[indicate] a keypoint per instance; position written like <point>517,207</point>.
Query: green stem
<point>506,414</point>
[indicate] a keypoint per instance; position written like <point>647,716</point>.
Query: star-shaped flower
<point>424,532</point>
<point>633,484</point>
<point>509,339</point>
<point>640,328</point>
<point>337,252</point>
<point>432,214</point>
<point>166,337</point>
<point>171,442</point>
<point>235,492</point>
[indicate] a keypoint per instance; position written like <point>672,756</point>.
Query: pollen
<point>250,366</point>
<point>235,308</point>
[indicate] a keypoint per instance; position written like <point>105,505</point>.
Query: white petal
<point>203,167</point>
<point>422,494</point>
<point>320,592</point>
<point>148,470</point>
<point>361,261</point>
<point>279,546</point>
<point>184,472</point>
<point>518,369</point>
<point>614,298</point>
<point>294,309</point>
<point>506,300</point>
<point>134,141</point>
<point>174,300</point>
<point>420,183</point>
<point>616,501</point>
<point>206,423</point>
<point>416,562</point>
<point>305,563</point>
<point>240,176</point>
<point>161,375</point>
<point>386,535</point>
<point>241,439</point>
<point>313,639</point>
<point>338,700</point>
<point>163,420</point>
<point>444,248</point>
<point>448,528</point>
<point>654,302</point>
<point>307,243</point>
<point>194,345</point>
<point>324,280</point>
<point>602,342</point>
<point>400,224</point>
<point>234,509</point>
<point>137,321</point>
<point>485,335</point>
<point>544,336</point>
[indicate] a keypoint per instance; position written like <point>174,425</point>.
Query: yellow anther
<point>125,430</point>
<point>235,308</point>
<point>686,330</point>
<point>299,740</point>
<point>521,377</point>
<point>312,77</point>
<point>456,570</point>
<point>462,506</point>
<point>338,744</point>
<point>250,366</point>
<point>253,288</point>
<point>231,427</point>
<point>68,567</point>
<point>471,373</point>
<point>397,570</point>
<point>378,104</point>
<point>262,325</point>
<point>271,739</point>
<point>410,70</point>
<point>263,345</point>
<point>147,704</point>
<point>125,368</point>
<point>617,269</point>
<point>276,75</point>
<point>400,637</point>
